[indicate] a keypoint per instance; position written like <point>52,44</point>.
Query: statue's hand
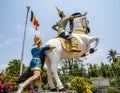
<point>51,47</point>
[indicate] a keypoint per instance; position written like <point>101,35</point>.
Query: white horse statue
<point>79,26</point>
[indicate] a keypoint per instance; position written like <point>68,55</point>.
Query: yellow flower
<point>88,91</point>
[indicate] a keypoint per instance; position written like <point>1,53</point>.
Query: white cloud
<point>8,42</point>
<point>3,66</point>
<point>30,29</point>
<point>20,27</point>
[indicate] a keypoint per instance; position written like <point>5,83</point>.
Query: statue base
<point>70,91</point>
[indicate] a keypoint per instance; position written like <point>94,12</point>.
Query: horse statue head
<point>79,25</point>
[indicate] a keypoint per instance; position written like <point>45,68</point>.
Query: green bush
<point>118,81</point>
<point>113,90</point>
<point>112,81</point>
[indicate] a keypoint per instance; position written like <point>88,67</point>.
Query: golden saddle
<point>66,44</point>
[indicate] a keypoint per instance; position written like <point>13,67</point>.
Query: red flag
<point>34,20</point>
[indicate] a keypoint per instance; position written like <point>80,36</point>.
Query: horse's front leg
<point>40,87</point>
<point>96,40</point>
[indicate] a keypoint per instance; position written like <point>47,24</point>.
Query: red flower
<point>10,83</point>
<point>1,89</point>
<point>32,90</point>
<point>14,75</point>
<point>1,77</point>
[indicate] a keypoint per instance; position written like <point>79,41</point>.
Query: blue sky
<point>103,16</point>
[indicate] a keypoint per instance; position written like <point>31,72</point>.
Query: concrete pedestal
<point>71,91</point>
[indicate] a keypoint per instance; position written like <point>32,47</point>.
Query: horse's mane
<point>71,21</point>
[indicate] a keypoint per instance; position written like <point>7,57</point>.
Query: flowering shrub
<point>7,86</point>
<point>82,85</point>
<point>9,76</point>
<point>8,82</point>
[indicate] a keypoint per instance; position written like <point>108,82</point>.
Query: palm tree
<point>93,70</point>
<point>112,55</point>
<point>105,70</point>
<point>72,67</point>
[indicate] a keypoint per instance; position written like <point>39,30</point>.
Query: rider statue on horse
<point>60,27</point>
<point>79,29</point>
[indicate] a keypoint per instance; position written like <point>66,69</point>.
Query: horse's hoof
<point>62,90</point>
<point>92,50</point>
<point>54,89</point>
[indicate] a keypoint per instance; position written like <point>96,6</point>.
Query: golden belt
<point>37,59</point>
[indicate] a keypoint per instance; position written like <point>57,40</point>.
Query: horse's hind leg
<point>49,73</point>
<point>54,66</point>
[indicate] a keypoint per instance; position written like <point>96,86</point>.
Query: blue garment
<point>38,53</point>
<point>65,35</point>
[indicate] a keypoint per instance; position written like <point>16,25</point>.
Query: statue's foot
<point>75,50</point>
<point>83,55</point>
<point>54,89</point>
<point>62,90</point>
<point>20,88</point>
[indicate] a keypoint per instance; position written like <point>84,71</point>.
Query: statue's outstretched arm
<point>55,27</point>
<point>75,16</point>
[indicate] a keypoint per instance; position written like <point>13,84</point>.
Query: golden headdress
<point>59,11</point>
<point>37,39</point>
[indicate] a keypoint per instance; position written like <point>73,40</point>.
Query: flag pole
<point>22,54</point>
